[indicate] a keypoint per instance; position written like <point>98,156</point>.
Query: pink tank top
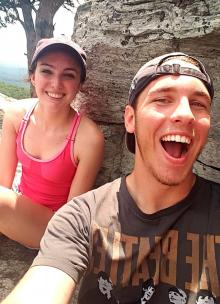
<point>47,182</point>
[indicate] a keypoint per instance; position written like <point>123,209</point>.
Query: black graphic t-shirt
<point>127,256</point>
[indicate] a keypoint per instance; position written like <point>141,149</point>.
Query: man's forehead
<point>168,64</point>
<point>174,83</point>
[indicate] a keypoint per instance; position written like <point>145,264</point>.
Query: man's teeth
<point>177,138</point>
<point>55,95</point>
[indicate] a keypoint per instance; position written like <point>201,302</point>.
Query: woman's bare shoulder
<point>90,127</point>
<point>89,143</point>
<point>15,110</point>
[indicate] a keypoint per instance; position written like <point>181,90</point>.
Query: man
<point>161,222</point>
<point>205,297</point>
<point>148,290</point>
<point>177,296</point>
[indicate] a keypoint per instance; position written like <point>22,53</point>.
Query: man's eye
<point>163,100</point>
<point>199,104</point>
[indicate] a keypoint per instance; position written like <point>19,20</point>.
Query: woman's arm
<point>42,284</point>
<point>88,151</point>
<point>8,157</point>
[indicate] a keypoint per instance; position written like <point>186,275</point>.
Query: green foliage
<point>13,10</point>
<point>14,91</point>
<point>35,16</point>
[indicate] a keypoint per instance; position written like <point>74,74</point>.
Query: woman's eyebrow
<point>71,69</point>
<point>51,66</point>
<point>44,63</point>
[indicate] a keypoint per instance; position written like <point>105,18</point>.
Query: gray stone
<point>15,260</point>
<point>119,36</point>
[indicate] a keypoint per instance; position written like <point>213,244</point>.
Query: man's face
<point>205,300</point>
<point>148,292</point>
<point>171,123</point>
<point>177,298</point>
<point>105,287</point>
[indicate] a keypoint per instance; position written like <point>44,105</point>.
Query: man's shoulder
<point>211,190</point>
<point>110,186</point>
<point>105,194</point>
<point>106,191</point>
<point>211,183</point>
<point>100,201</point>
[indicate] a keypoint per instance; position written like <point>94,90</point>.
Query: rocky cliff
<point>119,36</point>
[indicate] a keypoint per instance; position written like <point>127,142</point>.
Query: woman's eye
<point>46,71</point>
<point>69,76</point>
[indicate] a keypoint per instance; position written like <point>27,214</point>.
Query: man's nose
<point>183,111</point>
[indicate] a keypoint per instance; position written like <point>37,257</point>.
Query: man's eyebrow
<point>202,94</point>
<point>161,90</point>
<point>170,89</point>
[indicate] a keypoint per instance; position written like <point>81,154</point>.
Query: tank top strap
<point>27,115</point>
<point>76,120</point>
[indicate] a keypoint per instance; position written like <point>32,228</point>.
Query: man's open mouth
<point>175,145</point>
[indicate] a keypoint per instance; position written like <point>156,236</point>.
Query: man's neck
<point>151,195</point>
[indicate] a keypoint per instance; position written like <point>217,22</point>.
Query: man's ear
<point>129,119</point>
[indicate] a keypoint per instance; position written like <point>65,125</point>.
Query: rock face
<point>14,258</point>
<point>14,262</point>
<point>4,102</point>
<point>119,36</point>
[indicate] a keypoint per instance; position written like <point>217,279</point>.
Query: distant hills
<point>14,75</point>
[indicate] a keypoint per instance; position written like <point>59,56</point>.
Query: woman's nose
<point>57,82</point>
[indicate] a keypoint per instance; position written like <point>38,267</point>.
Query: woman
<point>60,150</point>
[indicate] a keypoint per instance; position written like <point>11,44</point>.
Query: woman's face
<point>56,78</point>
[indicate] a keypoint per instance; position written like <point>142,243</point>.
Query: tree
<point>36,17</point>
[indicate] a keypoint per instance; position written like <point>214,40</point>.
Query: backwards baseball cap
<point>158,67</point>
<point>47,44</point>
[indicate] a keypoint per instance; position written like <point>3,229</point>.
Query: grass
<point>14,91</point>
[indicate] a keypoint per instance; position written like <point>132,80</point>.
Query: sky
<point>13,40</point>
